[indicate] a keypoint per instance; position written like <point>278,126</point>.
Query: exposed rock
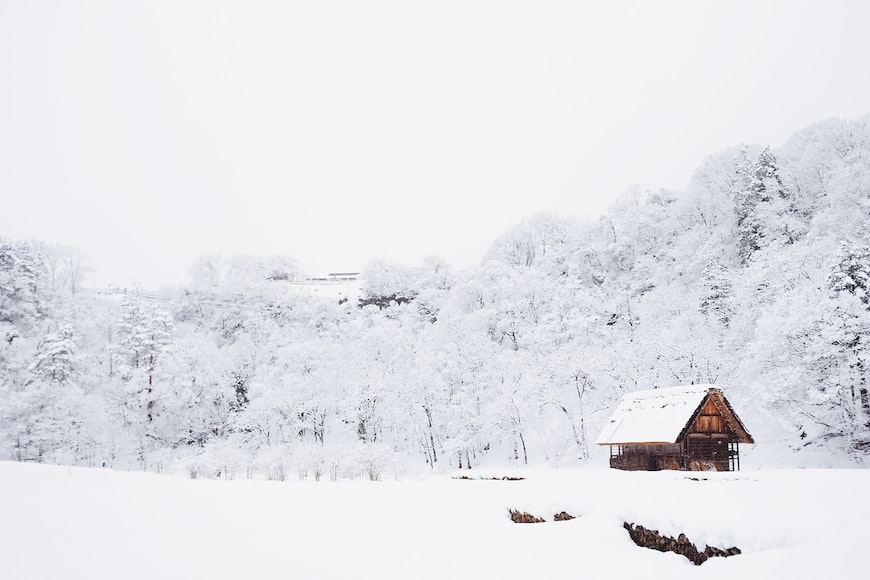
<point>562,517</point>
<point>681,545</point>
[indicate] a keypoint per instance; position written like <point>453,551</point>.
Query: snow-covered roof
<point>653,416</point>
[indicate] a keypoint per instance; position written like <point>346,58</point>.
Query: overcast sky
<point>148,133</point>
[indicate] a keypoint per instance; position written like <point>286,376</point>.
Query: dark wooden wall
<point>710,420</point>
<point>647,457</point>
<point>709,448</point>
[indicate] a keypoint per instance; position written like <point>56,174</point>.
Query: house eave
<point>639,443</point>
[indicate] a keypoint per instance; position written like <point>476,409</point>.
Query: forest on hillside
<point>755,278</point>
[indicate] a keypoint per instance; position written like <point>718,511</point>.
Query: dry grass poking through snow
<point>483,478</point>
<point>520,517</point>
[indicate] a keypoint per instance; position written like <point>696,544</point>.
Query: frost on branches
<point>755,279</point>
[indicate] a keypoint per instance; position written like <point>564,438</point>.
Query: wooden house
<point>690,427</point>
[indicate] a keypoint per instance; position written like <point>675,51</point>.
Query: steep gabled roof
<point>665,415</point>
<point>727,411</point>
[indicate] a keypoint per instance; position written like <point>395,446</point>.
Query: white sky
<point>147,133</point>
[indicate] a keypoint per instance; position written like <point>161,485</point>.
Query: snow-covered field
<point>61,522</point>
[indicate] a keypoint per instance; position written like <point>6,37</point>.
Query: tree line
<point>756,278</point>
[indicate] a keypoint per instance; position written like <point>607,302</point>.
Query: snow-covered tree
<point>23,287</point>
<point>56,356</point>
<point>755,186</point>
<point>851,273</point>
<point>716,292</point>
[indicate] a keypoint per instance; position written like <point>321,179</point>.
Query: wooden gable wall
<point>716,417</point>
<point>710,420</point>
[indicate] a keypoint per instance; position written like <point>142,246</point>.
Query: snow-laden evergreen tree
<point>851,272</point>
<point>144,335</point>
<point>50,418</point>
<point>56,356</point>
<point>23,288</point>
<point>716,292</point>
<point>755,187</point>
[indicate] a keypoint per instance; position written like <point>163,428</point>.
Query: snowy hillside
<point>76,523</point>
<point>755,279</point>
